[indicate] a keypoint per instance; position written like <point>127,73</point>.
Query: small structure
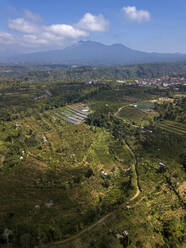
<point>125,233</point>
<point>120,81</point>
<point>128,169</point>
<point>119,236</point>
<point>104,173</point>
<point>37,207</point>
<point>49,204</point>
<point>85,110</point>
<point>162,164</point>
<point>45,139</point>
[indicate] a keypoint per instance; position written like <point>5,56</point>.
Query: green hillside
<point>98,165</point>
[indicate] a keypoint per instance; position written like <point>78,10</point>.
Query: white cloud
<point>23,26</point>
<point>94,23</point>
<point>133,14</point>
<point>66,31</point>
<point>32,16</point>
<point>6,38</point>
<point>28,33</point>
<point>30,39</point>
<point>45,35</point>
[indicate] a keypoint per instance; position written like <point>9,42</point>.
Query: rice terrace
<point>139,113</point>
<point>75,113</point>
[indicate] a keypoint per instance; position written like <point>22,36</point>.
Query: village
<point>164,81</point>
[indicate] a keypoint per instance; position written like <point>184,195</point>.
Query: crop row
<point>73,113</point>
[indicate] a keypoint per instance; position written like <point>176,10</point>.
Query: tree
<point>7,234</point>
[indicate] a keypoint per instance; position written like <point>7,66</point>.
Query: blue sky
<point>147,25</point>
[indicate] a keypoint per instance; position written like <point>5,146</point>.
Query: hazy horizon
<point>28,27</point>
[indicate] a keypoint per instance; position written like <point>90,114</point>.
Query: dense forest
<point>175,111</point>
<point>71,73</point>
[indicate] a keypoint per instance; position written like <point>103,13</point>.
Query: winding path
<point>116,114</point>
<point>135,174</point>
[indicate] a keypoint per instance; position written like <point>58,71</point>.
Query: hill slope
<point>94,53</point>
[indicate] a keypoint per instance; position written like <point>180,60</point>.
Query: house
<point>120,81</point>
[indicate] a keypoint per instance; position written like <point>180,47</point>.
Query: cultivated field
<point>56,172</point>
<point>174,127</point>
<point>75,113</point>
<point>145,106</point>
<point>132,114</point>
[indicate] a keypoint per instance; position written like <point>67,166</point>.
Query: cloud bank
<point>27,31</point>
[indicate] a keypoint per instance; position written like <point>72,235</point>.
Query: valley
<point>86,165</point>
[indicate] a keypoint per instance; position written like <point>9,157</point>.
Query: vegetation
<point>115,178</point>
<point>38,73</point>
<point>174,111</point>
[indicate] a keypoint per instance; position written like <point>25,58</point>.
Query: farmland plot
<point>172,126</point>
<point>74,114</point>
<point>132,114</point>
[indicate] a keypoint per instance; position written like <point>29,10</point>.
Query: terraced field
<point>132,114</point>
<point>174,127</point>
<point>74,114</point>
<point>146,106</point>
<point>56,173</point>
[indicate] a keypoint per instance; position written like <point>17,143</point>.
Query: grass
<point>132,114</point>
<point>145,105</point>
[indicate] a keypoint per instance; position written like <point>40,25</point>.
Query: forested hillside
<point>98,164</point>
<point>71,73</point>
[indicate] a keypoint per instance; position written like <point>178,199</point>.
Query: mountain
<point>94,53</point>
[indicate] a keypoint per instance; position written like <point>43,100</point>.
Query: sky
<point>146,25</point>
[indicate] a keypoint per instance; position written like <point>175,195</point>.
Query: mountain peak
<point>94,53</point>
<point>91,43</point>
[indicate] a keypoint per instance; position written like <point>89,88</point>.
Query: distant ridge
<point>94,53</point>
